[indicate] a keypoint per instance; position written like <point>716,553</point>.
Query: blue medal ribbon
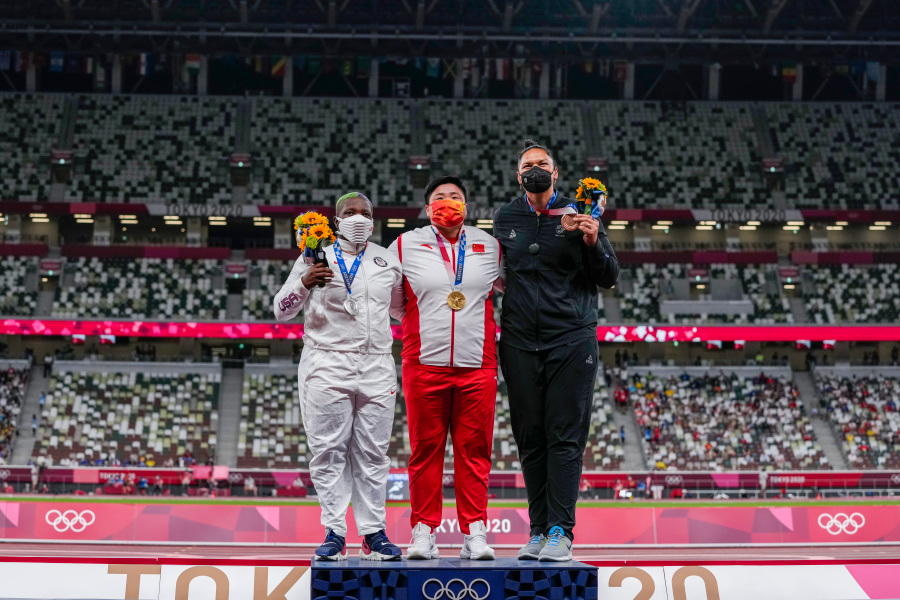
<point>348,277</point>
<point>460,258</point>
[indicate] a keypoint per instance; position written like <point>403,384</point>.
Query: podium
<point>453,579</point>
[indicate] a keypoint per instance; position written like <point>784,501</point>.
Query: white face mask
<point>356,229</point>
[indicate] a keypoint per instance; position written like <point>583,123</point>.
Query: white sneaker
<point>475,544</point>
<point>422,546</point>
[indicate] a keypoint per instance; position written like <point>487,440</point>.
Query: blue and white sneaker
<point>558,547</point>
<point>532,550</point>
<point>333,548</point>
<point>377,546</point>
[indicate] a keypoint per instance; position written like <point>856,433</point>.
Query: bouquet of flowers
<point>313,235</point>
<point>590,191</point>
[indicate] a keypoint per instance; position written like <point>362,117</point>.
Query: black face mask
<point>537,180</point>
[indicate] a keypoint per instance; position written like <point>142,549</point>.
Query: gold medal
<point>569,223</point>
<point>456,300</point>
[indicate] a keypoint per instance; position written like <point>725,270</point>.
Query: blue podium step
<point>453,579</point>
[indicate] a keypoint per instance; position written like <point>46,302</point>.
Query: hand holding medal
<point>590,191</point>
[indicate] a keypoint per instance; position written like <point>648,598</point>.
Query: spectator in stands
<point>895,356</point>
<point>48,365</point>
<point>34,424</point>
<point>450,271</point>
<point>347,376</point>
<point>548,345</point>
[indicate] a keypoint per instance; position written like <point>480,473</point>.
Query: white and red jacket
<point>433,333</point>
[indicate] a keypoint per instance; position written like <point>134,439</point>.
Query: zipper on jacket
<point>537,287</point>
<point>362,266</point>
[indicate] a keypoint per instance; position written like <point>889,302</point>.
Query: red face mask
<point>446,213</point>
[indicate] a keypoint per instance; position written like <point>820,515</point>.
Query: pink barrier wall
<point>602,479</point>
<point>632,524</point>
<point>179,252</point>
<point>799,257</point>
<point>285,254</point>
<point>294,330</point>
<point>23,249</point>
<point>699,257</point>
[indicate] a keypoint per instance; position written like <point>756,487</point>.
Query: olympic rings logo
<point>672,480</point>
<point>841,523</point>
<point>236,477</point>
<point>895,478</point>
<point>5,473</point>
<point>70,520</point>
<point>455,589</point>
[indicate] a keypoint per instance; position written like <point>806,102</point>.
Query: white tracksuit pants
<point>347,403</point>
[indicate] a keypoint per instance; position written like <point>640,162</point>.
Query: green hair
<point>339,205</point>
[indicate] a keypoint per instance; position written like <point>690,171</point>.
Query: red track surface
<point>601,557</point>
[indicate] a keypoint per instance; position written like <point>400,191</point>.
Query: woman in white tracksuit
<point>347,377</point>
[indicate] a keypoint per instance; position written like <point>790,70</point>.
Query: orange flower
<point>318,232</point>
<point>314,218</point>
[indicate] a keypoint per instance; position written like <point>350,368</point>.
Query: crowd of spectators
<point>721,421</point>
<point>12,396</point>
<point>864,411</point>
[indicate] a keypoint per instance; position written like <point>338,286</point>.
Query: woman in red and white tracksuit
<point>449,365</point>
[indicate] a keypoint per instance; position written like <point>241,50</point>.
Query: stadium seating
<point>12,396</point>
<point>314,150</point>
<point>702,155</point>
<point>723,422</point>
<point>257,302</point>
<point>123,154</point>
<point>14,299</point>
<point>848,293</point>
<point>768,308</point>
<point>838,155</point>
<point>310,150</point>
<point>480,139</point>
<point>142,288</point>
<point>31,124</point>
<point>271,431</point>
<point>864,413</point>
<point>132,414</point>
<point>604,450</point>
<point>641,304</point>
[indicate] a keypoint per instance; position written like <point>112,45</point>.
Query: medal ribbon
<point>348,277</point>
<point>553,212</point>
<point>460,259</point>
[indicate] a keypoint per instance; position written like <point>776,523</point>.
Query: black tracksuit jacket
<point>551,296</point>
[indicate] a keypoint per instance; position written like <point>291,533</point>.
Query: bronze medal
<point>569,223</point>
<point>456,300</point>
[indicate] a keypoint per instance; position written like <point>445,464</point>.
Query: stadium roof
<point>641,30</point>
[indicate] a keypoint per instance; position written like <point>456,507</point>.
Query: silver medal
<point>351,306</point>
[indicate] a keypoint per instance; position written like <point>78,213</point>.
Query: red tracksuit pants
<point>461,401</point>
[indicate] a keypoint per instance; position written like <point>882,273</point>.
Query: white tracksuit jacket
<point>348,383</point>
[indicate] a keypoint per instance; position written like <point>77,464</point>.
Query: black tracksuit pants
<point>550,393</point>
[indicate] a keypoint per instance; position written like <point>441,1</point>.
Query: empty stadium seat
<point>131,414</point>
<point>142,288</point>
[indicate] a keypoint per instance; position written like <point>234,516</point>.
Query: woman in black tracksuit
<point>548,342</point>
